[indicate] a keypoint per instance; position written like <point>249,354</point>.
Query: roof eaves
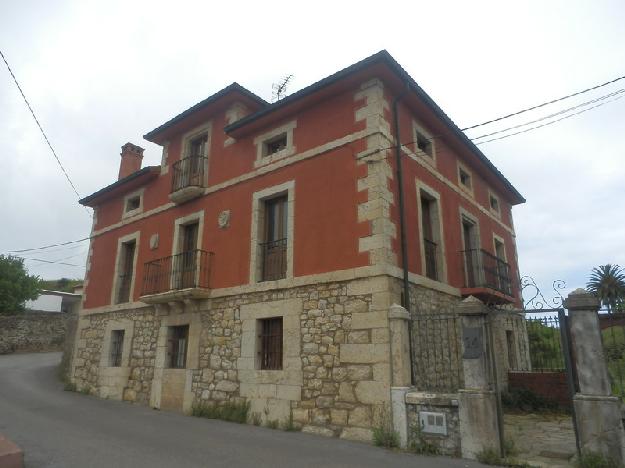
<point>146,170</point>
<point>387,58</point>
<point>231,87</point>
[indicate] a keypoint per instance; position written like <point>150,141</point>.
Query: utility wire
<point>564,111</point>
<point>550,123</point>
<point>41,129</point>
<point>50,246</point>
<point>544,104</point>
<point>57,262</point>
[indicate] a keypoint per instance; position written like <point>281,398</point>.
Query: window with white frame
<point>465,178</point>
<point>493,204</point>
<point>275,144</point>
<point>133,203</point>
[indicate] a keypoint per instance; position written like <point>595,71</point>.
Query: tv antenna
<point>279,89</point>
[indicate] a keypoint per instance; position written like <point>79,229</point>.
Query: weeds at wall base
<point>596,460</point>
<point>233,412</point>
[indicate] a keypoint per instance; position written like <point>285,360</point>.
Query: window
<point>185,263</point>
<point>274,145</point>
<point>117,346</point>
<point>126,271</point>
<point>274,249</point>
<point>270,343</point>
<point>424,144</point>
<point>465,178</point>
<point>197,146</point>
<point>177,341</point>
<point>133,203</point>
<point>431,235</point>
<point>472,254</point>
<point>493,201</point>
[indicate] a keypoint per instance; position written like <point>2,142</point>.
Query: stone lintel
<point>434,399</point>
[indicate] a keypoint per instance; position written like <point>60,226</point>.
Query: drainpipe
<point>402,226</point>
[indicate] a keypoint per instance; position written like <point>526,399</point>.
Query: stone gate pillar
<point>479,427</point>
<point>399,324</point>
<point>597,412</point>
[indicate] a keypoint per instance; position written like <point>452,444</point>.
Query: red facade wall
<point>326,227</point>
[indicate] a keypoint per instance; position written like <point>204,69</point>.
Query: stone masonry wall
<point>32,332</point>
<point>341,385</point>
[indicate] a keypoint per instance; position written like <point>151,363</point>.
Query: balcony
<point>177,277</point>
<point>188,179</point>
<point>274,260</point>
<point>486,277</point>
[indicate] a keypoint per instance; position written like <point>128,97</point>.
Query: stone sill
<point>176,295</point>
<point>435,399</point>
<point>487,294</point>
<point>185,194</point>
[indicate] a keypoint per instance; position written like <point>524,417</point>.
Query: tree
<point>16,285</point>
<point>607,282</point>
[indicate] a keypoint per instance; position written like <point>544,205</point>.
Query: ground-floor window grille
<point>177,343</point>
<point>270,343</point>
<point>117,347</point>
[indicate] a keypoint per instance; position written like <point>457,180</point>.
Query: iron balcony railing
<point>485,270</point>
<point>188,172</point>
<point>185,270</point>
<point>431,270</point>
<point>273,260</point>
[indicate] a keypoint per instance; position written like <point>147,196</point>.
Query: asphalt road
<point>66,429</point>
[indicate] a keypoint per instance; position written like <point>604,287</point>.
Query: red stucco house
<point>259,261</point>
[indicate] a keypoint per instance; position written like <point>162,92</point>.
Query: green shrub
<point>233,412</point>
<point>522,399</point>
<point>70,387</point>
<point>489,456</point>
<point>385,437</point>
<point>256,419</point>
<point>419,443</point>
<point>289,425</point>
<point>596,460</point>
<point>272,424</point>
<point>383,433</point>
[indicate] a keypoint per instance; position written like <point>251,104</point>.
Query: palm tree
<point>607,282</point>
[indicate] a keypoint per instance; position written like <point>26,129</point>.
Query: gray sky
<point>99,74</point>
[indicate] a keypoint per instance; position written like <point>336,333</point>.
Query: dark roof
<point>135,175</point>
<point>230,88</point>
<point>381,57</point>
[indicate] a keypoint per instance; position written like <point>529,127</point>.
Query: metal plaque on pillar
<point>472,339</point>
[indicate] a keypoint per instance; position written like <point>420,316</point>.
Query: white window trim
<point>258,216</point>
<point>428,159</point>
<point>136,211</point>
<point>496,239</point>
<point>176,247</point>
<point>442,257</point>
<point>260,141</point>
<point>496,212</point>
<point>468,190</point>
<point>194,133</point>
<point>465,214</point>
<point>114,290</point>
<point>198,216</point>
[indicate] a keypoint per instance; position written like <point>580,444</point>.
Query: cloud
<point>102,73</point>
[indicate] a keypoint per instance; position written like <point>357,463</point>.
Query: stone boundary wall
<point>32,332</point>
<point>549,385</point>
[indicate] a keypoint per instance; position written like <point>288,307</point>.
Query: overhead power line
<point>555,114</point>
<point>544,104</point>
<point>41,128</point>
<point>50,246</point>
<point>551,122</point>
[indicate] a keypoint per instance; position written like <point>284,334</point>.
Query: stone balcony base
<point>186,194</point>
<point>177,295</point>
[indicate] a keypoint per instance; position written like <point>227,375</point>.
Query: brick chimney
<point>132,155</point>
